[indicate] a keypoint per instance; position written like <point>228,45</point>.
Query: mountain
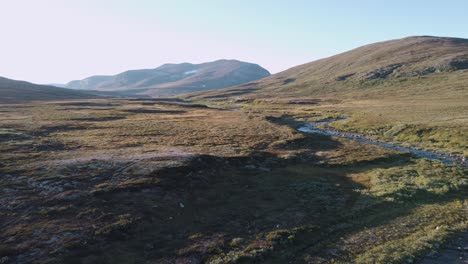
<point>57,85</point>
<point>12,91</point>
<point>402,65</point>
<point>170,79</point>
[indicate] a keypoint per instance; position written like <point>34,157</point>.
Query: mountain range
<point>170,79</point>
<point>421,64</point>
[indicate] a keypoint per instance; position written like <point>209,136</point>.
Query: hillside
<point>413,91</point>
<point>436,63</point>
<point>12,91</point>
<point>170,79</point>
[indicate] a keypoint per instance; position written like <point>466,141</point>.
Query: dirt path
<point>315,128</point>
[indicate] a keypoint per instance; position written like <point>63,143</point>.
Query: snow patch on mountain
<point>190,72</point>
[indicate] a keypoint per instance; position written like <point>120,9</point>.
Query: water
<point>313,128</point>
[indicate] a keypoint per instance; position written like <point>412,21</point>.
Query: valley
<point>355,158</point>
<point>168,180</point>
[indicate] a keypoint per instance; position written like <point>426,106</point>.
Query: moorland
<point>225,176</point>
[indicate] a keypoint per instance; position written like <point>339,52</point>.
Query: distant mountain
<point>12,91</point>
<point>170,79</point>
<point>418,64</point>
<point>57,85</point>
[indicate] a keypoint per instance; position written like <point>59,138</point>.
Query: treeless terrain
<point>228,178</point>
<point>12,91</point>
<point>168,181</point>
<point>171,79</point>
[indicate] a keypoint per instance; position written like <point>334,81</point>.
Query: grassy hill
<point>12,91</point>
<point>170,79</point>
<point>412,90</point>
<point>395,64</point>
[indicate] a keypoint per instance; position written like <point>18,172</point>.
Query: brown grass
<point>117,181</point>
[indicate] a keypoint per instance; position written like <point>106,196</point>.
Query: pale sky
<point>55,41</point>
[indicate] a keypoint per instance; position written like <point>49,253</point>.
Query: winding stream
<point>315,128</point>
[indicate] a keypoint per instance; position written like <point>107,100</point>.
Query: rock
<point>344,77</point>
<point>239,100</point>
<point>426,71</point>
<point>235,242</point>
<point>382,73</point>
<point>334,252</point>
<point>457,64</point>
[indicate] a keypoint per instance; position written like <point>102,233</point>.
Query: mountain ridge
<point>173,78</point>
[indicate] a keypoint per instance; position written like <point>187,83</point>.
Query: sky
<point>56,41</point>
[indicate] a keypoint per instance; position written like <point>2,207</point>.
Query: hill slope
<point>395,63</point>
<point>411,91</point>
<point>12,91</point>
<point>176,78</point>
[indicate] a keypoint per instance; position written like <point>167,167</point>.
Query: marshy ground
<point>166,181</point>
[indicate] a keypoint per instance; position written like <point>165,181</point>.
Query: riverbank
<point>322,128</point>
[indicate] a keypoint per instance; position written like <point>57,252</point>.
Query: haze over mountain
<point>170,79</point>
<point>13,91</point>
<point>422,63</point>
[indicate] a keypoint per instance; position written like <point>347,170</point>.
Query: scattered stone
<point>382,73</point>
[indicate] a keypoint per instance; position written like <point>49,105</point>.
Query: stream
<point>322,128</point>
